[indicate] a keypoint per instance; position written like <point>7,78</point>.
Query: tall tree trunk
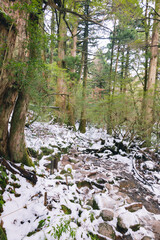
<point>82,126</point>
<point>146,26</point>
<point>52,33</point>
<point>12,37</point>
<point>6,108</point>
<point>148,100</point>
<point>110,96</point>
<point>126,69</point>
<point>71,111</point>
<point>122,71</point>
<point>61,99</point>
<point>17,147</point>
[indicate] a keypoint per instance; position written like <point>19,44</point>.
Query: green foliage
<point>63,227</point>
<point>3,184</point>
<point>93,236</point>
<point>2,234</point>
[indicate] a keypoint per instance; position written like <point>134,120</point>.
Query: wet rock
<point>134,207</point>
<point>106,230</point>
<point>107,215</point>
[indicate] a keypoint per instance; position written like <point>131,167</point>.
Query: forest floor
<point>104,188</point>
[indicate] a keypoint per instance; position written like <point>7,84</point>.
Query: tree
<point>15,63</point>
<point>82,126</point>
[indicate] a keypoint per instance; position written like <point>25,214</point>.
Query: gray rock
<point>107,215</point>
<point>146,238</point>
<point>121,227</point>
<point>106,230</point>
<point>125,237</point>
<point>134,207</point>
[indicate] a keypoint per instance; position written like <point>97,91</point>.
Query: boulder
<point>146,238</point>
<point>127,220</point>
<point>106,230</point>
<point>134,207</point>
<point>107,215</point>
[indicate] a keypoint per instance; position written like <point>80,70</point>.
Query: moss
<point>26,160</point>
<point>84,184</point>
<point>33,153</point>
<point>135,227</point>
<point>40,156</point>
<point>63,172</point>
<point>59,177</point>
<point>95,205</point>
<point>2,234</point>
<point>65,209</point>
<point>46,151</point>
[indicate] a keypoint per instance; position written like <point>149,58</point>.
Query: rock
<point>104,201</point>
<point>127,185</point>
<point>156,229</point>
<point>124,237</point>
<point>107,215</point>
<point>146,238</point>
<point>121,227</point>
<point>106,230</point>
<point>135,227</point>
<point>84,184</point>
<point>134,207</point>
<point>127,220</point>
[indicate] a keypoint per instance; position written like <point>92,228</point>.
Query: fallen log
<point>12,167</point>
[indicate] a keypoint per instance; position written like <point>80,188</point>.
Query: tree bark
<point>17,147</point>
<point>147,116</point>
<point>82,126</point>
<point>61,100</point>
<point>6,107</point>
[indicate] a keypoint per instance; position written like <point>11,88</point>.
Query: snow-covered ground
<point>95,173</point>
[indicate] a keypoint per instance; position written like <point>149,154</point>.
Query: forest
<point>80,87</point>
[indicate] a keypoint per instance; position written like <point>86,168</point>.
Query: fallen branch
<point>31,176</point>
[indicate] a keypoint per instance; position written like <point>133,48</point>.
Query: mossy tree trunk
<point>61,98</point>
<point>17,147</point>
<point>147,117</point>
<point>72,87</point>
<point>14,37</point>
<point>6,108</point>
<point>82,126</point>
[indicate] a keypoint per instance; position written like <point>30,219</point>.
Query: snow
<point>23,214</point>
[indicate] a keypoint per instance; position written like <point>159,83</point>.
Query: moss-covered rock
<point>66,210</point>
<point>106,230</point>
